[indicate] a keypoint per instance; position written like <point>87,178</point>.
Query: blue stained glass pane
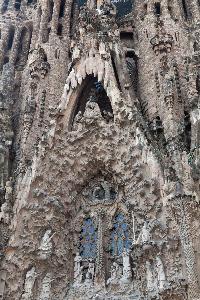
<point>88,238</point>
<point>120,235</point>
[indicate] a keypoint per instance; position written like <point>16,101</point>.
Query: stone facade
<point>99,150</point>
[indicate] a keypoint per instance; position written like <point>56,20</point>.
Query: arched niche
<point>91,91</point>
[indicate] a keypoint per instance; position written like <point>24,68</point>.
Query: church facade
<point>99,150</point>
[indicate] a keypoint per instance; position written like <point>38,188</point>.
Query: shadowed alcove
<point>92,91</point>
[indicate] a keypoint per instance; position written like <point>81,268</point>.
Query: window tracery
<point>88,239</point>
<point>120,240</point>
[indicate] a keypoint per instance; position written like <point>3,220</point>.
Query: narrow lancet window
<point>88,239</point>
<point>120,240</point>
<point>62,9</point>
<point>157,9</point>
<point>185,9</point>
<point>10,38</point>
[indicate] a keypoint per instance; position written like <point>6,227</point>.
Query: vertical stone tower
<point>99,149</point>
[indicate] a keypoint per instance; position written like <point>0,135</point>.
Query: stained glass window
<point>88,239</point>
<point>120,235</point>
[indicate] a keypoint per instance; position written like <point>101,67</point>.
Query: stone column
<point>183,205</point>
<point>25,46</point>
<point>55,16</point>
<point>15,46</point>
<point>195,10</point>
<point>43,33</point>
<point>67,18</point>
<point>3,46</point>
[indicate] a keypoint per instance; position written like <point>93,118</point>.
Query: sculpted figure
<point>29,283</point>
<point>90,273</point>
<point>144,236</point>
<point>116,273</point>
<point>150,277</point>
<point>46,245</point>
<point>127,274</point>
<point>77,269</point>
<point>160,273</point>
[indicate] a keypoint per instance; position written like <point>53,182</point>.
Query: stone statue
<point>150,277</point>
<point>29,283</point>
<point>127,273</point>
<point>78,276</point>
<point>90,273</point>
<point>161,278</point>
<point>116,273</point>
<point>46,245</point>
<point>144,236</point>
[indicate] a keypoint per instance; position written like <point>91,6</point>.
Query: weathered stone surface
<point>99,150</point>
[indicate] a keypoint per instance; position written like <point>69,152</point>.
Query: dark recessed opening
<point>62,9</point>
<point>187,124</point>
<point>51,6</point>
<point>198,84</point>
<point>132,67</point>
<point>126,35</point>
<point>157,9</point>
<point>59,30</point>
<point>17,4</point>
<point>29,2</point>
<point>185,10</point>
<point>94,93</point>
<point>6,60</point>
<point>196,46</point>
<point>10,38</point>
<point>145,8</point>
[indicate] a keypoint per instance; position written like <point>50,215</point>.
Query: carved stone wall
<point>99,150</point>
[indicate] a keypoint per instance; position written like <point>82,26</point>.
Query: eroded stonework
<point>99,150</point>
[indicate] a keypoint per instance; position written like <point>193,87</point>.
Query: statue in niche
<point>161,278</point>
<point>116,273</point>
<point>145,235</point>
<point>78,269</point>
<point>92,111</point>
<point>77,121</point>
<point>46,245</point>
<point>127,273</point>
<point>90,273</point>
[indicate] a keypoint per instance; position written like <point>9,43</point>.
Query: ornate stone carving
<point>78,276</point>
<point>116,274</point>
<point>46,245</point>
<point>29,284</point>
<point>127,272</point>
<point>38,64</point>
